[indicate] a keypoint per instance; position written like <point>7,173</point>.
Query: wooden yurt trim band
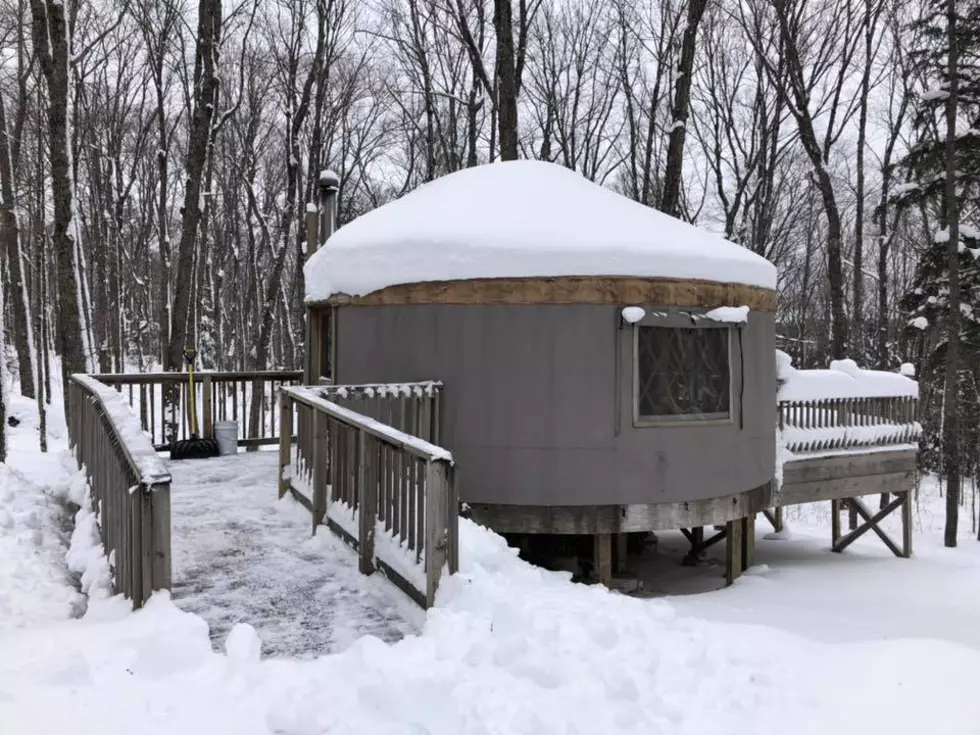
<point>611,290</point>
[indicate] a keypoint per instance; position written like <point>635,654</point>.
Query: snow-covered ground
<point>35,584</point>
<point>811,642</point>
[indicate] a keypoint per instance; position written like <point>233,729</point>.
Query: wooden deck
<point>348,446</point>
<point>846,475</point>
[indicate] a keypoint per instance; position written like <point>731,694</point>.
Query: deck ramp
<point>243,556</point>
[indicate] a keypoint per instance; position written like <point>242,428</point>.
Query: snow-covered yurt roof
<point>521,220</point>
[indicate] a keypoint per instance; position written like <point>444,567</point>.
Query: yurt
<point>606,368</point>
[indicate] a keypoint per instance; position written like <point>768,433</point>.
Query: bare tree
<point>819,50</point>
<point>10,239</point>
<point>673,174</point>
<point>205,92</point>
<point>52,46</point>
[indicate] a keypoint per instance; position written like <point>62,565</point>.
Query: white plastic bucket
<point>226,435</point>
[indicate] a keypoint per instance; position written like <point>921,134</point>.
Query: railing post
<point>437,492</point>
<point>160,536</point>
<point>145,550</point>
<point>285,439</point>
<point>322,445</point>
<point>208,418</point>
<point>367,493</point>
<point>452,519</point>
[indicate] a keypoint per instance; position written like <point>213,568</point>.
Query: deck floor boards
<point>242,555</point>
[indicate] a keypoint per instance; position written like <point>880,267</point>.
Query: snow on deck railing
<point>388,493</point>
<point>129,486</point>
<point>134,441</point>
<point>844,407</point>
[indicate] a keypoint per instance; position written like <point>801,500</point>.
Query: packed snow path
<point>242,556</point>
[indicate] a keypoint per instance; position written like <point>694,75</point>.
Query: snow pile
<point>35,584</point>
<point>243,644</point>
<point>86,556</point>
<point>511,649</point>
<point>729,314</point>
<point>520,219</point>
<point>844,379</point>
<point>919,322</point>
<point>633,314</point>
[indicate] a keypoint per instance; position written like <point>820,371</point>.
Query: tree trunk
<point>808,137</point>
<point>52,46</point>
<point>506,80</point>
<point>3,390</point>
<point>857,338</point>
<point>951,428</point>
<point>10,239</point>
<point>205,86</point>
<point>670,202</point>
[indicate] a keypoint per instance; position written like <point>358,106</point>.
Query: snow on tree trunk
<point>53,48</point>
<point>10,239</point>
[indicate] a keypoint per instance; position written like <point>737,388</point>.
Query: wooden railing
<point>130,487</point>
<point>389,494</point>
<point>409,407</point>
<point>848,423</point>
<point>247,398</point>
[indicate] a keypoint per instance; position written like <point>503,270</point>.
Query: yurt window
<point>682,374</point>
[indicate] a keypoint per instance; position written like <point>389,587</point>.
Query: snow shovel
<point>195,447</point>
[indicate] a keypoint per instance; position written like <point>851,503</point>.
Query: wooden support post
<point>748,542</point>
<point>285,441</point>
<point>907,524</point>
<point>439,519</point>
<point>602,557</point>
<point>322,448</point>
<point>207,420</point>
<point>622,552</point>
<point>367,493</point>
<point>834,522</point>
<point>870,524</point>
<point>733,550</point>
<point>696,538</point>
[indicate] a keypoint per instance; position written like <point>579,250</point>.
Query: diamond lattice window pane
<point>683,373</point>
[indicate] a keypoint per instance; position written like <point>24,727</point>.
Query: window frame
<point>682,319</point>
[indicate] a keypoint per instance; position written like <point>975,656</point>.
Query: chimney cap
<point>329,179</point>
